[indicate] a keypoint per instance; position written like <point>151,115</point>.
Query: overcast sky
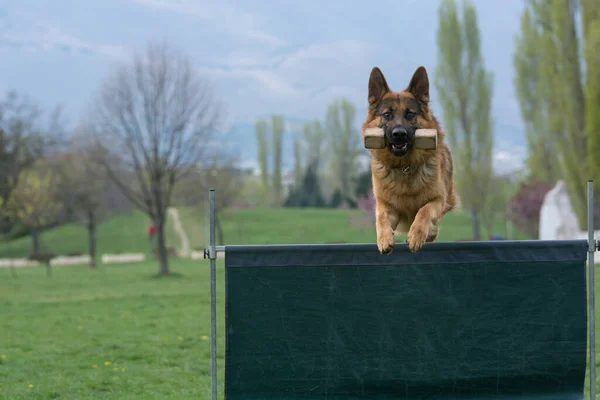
<point>289,57</point>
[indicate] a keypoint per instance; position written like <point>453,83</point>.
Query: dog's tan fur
<point>412,192</point>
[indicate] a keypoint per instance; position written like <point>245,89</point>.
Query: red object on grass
<point>151,230</point>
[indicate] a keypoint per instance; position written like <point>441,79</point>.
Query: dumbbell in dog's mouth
<point>400,139</point>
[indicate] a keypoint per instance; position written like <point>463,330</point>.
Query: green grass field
<point>119,332</point>
<point>127,232</point>
<point>122,233</point>
<point>283,226</point>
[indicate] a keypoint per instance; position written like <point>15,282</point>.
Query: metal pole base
<point>212,254</point>
<point>592,246</point>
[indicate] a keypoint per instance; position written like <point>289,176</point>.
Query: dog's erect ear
<point>419,85</point>
<point>377,85</point>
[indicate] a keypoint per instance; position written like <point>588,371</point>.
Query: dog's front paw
<point>416,238</point>
<point>385,243</point>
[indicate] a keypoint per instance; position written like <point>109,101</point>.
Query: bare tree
<point>84,185</point>
<point>24,138</point>
<point>154,117</point>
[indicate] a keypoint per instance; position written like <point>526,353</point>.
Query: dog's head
<point>400,114</point>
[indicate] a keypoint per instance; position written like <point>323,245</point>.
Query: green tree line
<point>326,155</point>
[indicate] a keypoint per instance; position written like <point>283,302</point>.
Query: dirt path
<point>184,251</point>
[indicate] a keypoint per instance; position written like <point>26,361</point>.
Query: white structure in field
<point>123,258</point>
<point>557,217</point>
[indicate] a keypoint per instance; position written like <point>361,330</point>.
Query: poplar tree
<point>263,151</point>
<point>277,127</point>
<point>465,91</point>
<point>345,143</point>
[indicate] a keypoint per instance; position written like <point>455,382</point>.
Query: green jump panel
<point>464,320</point>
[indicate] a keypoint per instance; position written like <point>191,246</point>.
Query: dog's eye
<point>387,115</point>
<point>409,115</point>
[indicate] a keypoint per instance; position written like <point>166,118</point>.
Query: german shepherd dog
<point>413,188</point>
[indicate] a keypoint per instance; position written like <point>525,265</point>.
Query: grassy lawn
<point>119,331</point>
<point>292,226</point>
<point>114,333</point>
<point>127,232</point>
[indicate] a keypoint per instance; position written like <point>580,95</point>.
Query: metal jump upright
<point>592,246</point>
<point>212,255</point>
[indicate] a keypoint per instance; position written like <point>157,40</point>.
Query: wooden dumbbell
<point>425,139</point>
